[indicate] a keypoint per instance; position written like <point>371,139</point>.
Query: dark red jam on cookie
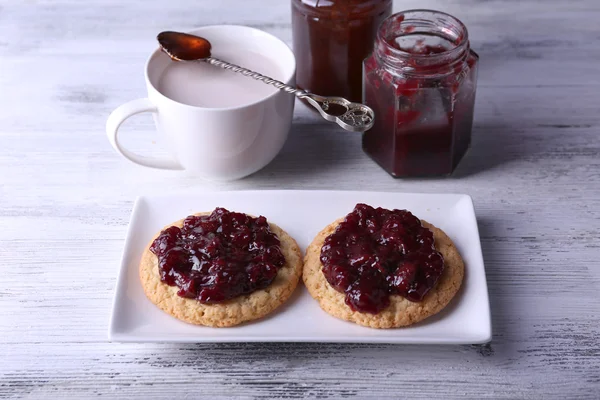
<point>375,253</point>
<point>217,257</point>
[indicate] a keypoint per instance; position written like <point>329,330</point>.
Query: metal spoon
<point>351,116</point>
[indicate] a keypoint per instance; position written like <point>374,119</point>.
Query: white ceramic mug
<point>215,143</point>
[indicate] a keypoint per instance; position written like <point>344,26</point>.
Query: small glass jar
<point>420,80</point>
<point>331,38</point>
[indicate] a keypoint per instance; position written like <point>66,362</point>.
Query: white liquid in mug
<point>204,85</point>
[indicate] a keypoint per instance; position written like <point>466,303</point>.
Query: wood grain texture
<point>65,196</point>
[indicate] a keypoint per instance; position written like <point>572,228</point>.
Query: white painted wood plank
<point>66,197</point>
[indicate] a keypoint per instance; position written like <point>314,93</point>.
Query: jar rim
<point>444,25</point>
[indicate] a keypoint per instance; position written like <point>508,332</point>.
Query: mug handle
<point>118,116</point>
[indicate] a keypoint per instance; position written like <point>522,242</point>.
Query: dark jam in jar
<point>375,253</point>
<point>216,257</point>
<point>331,39</point>
<point>420,80</point>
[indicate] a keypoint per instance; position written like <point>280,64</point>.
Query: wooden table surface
<point>65,200</point>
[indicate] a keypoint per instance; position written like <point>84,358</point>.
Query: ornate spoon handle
<point>356,117</point>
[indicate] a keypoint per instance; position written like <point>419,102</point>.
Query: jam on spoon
<point>183,46</point>
<point>351,116</point>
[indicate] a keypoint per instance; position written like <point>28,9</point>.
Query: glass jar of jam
<point>420,80</point>
<point>331,38</point>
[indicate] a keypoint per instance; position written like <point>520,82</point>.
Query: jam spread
<point>375,253</point>
<point>420,81</point>
<point>217,257</point>
<point>331,39</point>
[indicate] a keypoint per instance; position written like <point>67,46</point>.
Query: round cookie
<point>401,312</point>
<point>232,312</point>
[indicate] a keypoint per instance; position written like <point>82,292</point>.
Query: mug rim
<point>287,80</point>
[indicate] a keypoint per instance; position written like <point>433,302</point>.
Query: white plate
<point>302,214</point>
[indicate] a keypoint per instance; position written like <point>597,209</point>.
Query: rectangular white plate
<point>302,214</point>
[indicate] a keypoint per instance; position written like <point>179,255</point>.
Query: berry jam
<point>183,46</point>
<point>420,81</point>
<point>217,257</point>
<point>375,253</point>
<point>331,39</point>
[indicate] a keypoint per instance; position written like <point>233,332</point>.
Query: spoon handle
<point>255,75</point>
<point>355,118</point>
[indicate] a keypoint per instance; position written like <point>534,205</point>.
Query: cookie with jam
<point>220,269</point>
<point>382,268</point>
